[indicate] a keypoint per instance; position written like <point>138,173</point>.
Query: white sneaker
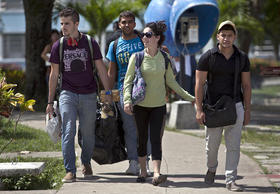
<point>148,169</point>
<point>133,168</point>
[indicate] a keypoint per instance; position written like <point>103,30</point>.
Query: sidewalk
<point>184,162</point>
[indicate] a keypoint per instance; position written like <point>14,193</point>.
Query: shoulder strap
<point>115,48</point>
<point>139,58</point>
<point>243,57</point>
<point>166,58</point>
<point>90,47</point>
<point>60,61</point>
<point>236,73</point>
<point>138,34</point>
<point>93,64</point>
<point>212,60</point>
<point>60,54</point>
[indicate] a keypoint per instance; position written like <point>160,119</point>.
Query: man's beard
<point>128,33</point>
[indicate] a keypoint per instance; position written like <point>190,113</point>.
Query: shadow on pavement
<point>256,189</point>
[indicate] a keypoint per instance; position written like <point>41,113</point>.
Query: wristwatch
<point>108,92</point>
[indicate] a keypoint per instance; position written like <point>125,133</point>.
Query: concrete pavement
<point>184,162</point>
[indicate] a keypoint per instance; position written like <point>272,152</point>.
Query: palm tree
<point>100,13</point>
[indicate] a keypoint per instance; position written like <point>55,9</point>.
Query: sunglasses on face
<point>147,34</point>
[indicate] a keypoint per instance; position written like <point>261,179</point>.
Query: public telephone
<point>188,31</point>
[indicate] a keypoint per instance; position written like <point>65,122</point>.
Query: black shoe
<point>210,177</point>
<point>141,179</point>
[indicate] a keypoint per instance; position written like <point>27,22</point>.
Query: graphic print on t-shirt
<point>124,51</point>
<point>75,60</point>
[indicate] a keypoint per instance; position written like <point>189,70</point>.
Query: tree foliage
<point>100,13</point>
<point>240,12</point>
<point>271,23</point>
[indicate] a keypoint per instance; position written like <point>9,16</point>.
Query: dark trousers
<point>153,117</point>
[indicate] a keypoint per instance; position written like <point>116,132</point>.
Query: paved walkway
<point>183,161</point>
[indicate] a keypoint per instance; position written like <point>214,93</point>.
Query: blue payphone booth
<point>160,10</point>
<point>190,23</point>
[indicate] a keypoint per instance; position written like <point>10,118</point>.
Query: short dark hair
<point>54,31</point>
<point>127,14</point>
<point>158,28</point>
<point>227,27</point>
<point>116,26</point>
<point>68,11</point>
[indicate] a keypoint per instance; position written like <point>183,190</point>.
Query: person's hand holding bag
<point>128,108</point>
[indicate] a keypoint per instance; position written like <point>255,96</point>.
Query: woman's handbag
<point>138,88</point>
<point>223,112</point>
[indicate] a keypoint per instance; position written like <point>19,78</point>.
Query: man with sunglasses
<point>127,44</point>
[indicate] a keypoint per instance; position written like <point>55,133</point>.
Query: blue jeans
<point>72,105</point>
<point>130,133</point>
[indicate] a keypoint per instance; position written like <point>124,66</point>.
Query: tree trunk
<point>244,40</point>
<point>38,19</point>
<point>276,50</point>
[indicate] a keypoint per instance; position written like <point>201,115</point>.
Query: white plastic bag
<point>53,124</point>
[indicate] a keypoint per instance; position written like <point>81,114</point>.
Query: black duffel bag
<point>109,136</point>
<point>221,114</point>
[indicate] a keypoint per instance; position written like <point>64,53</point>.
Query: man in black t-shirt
<point>222,83</point>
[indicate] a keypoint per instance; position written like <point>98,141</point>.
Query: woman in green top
<point>152,110</point>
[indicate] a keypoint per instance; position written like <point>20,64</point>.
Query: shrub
<point>15,76</point>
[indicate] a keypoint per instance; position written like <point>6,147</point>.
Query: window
<point>14,46</point>
<point>11,4</point>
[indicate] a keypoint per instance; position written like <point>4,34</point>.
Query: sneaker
<point>86,170</point>
<point>210,177</point>
<point>69,178</point>
<point>234,187</point>
<point>148,169</point>
<point>133,168</point>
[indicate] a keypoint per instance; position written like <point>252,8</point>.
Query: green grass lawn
<point>34,140</point>
<point>25,138</point>
<point>267,91</point>
<point>263,139</point>
<point>50,178</point>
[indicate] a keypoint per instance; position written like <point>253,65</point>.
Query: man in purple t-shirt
<point>78,91</point>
